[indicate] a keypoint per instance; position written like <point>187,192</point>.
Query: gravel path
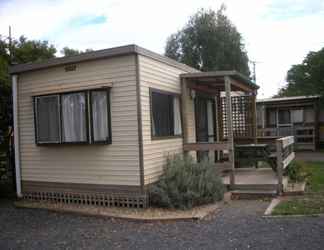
<point>238,226</point>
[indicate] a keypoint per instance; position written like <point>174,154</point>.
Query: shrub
<point>186,184</point>
<point>297,171</point>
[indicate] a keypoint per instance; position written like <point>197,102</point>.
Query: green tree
<point>66,51</point>
<point>306,78</point>
<point>23,51</point>
<point>209,41</point>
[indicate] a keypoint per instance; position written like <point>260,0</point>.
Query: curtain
<point>99,115</point>
<point>48,128</point>
<point>297,115</point>
<point>177,116</point>
<point>162,107</point>
<point>309,115</point>
<point>74,117</point>
<point>210,120</point>
<point>284,116</point>
<point>272,117</point>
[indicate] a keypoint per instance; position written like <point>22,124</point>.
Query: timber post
<point>229,122</point>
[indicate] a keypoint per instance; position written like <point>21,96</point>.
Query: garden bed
<point>146,215</point>
<point>312,202</point>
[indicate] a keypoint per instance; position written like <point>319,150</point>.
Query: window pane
<point>162,111</point>
<point>177,116</point>
<point>47,119</point>
<point>284,116</point>
<point>309,115</point>
<point>99,115</point>
<point>271,117</point>
<point>74,117</point>
<point>297,115</point>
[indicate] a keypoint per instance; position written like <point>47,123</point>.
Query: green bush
<point>297,171</point>
<point>186,184</point>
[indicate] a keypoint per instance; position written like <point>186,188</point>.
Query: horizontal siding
<point>154,74</point>
<point>115,164</point>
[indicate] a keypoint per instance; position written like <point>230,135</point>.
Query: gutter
<point>16,134</point>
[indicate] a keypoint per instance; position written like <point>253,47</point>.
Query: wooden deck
<point>253,179</point>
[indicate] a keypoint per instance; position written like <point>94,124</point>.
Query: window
<point>297,115</point>
<point>64,118</point>
<point>271,117</point>
<point>284,116</point>
<point>166,117</point>
<point>99,114</point>
<point>309,115</point>
<point>74,120</point>
<point>47,119</point>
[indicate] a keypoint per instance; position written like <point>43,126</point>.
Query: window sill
<point>73,143</point>
<point>157,138</point>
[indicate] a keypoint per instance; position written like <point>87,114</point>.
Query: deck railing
<point>211,147</point>
<point>305,136</point>
<point>285,154</point>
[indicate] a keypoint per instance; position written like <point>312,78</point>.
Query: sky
<point>277,33</point>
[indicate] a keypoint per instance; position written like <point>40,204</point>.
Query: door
<point>205,124</point>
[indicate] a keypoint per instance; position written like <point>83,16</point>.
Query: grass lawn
<point>312,202</point>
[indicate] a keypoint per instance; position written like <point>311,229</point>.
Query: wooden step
<point>252,194</point>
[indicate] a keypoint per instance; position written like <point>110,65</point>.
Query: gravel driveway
<point>238,226</point>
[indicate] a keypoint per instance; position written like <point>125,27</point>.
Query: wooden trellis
<point>242,117</point>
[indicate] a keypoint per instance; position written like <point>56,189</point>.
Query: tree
<point>306,78</point>
<point>66,51</point>
<point>209,41</point>
<point>22,51</point>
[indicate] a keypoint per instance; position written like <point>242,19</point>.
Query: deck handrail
<point>285,154</point>
<point>206,146</point>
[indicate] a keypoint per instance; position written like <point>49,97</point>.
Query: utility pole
<point>254,70</point>
<point>10,45</point>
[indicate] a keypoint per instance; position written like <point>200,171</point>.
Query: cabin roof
<point>98,54</point>
<point>285,99</point>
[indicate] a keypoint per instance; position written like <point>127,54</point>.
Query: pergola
<point>234,94</point>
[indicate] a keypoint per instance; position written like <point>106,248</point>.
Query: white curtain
<point>309,115</point>
<point>210,119</point>
<point>99,115</point>
<point>177,116</point>
<point>297,115</point>
<point>74,117</point>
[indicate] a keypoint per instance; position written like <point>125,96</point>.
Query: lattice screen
<point>242,116</point>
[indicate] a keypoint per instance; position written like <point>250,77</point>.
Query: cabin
<point>297,116</point>
<point>97,128</point>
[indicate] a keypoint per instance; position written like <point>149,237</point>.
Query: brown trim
<point>99,54</point>
<point>139,122</point>
<point>34,186</point>
<point>178,95</point>
<point>158,138</point>
<point>220,74</point>
<point>206,146</point>
<point>87,94</point>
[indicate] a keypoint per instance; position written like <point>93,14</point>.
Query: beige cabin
<point>97,128</point>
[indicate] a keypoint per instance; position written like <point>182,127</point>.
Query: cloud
<point>87,20</point>
<point>277,33</point>
<point>281,10</point>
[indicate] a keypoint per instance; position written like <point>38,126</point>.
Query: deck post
<point>254,119</point>
<point>279,165</point>
<point>230,129</point>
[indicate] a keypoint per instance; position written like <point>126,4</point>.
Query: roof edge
<point>287,98</point>
<point>231,73</point>
<point>95,55</point>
